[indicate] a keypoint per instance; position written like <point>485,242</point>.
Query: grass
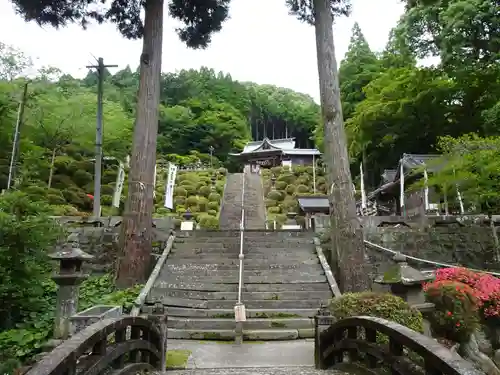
<point>177,359</point>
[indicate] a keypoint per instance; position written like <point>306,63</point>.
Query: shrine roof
<point>314,203</point>
<point>284,145</point>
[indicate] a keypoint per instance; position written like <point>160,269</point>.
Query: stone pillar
<point>69,278</point>
<point>322,320</point>
<point>273,182</point>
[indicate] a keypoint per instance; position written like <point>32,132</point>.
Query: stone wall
<point>468,241</point>
<point>100,238</point>
<point>472,247</point>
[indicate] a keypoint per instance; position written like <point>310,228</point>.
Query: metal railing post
<point>239,309</point>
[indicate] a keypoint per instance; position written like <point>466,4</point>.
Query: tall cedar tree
<point>201,18</point>
<point>347,241</point>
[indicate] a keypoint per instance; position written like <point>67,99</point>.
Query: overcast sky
<point>260,43</point>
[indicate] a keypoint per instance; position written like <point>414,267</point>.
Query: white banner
<point>169,187</point>
<point>120,180</point>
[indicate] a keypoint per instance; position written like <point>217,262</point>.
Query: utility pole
<point>17,133</point>
<point>98,135</point>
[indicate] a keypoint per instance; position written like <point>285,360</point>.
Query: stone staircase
<point>283,266</point>
<point>230,215</point>
<point>255,209</point>
<point>283,288</point>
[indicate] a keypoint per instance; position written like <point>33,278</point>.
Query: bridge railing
<point>125,345</point>
<point>356,340</point>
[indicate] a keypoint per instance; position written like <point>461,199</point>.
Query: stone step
<point>287,370</point>
<point>234,265</point>
<point>154,297</point>
<point>272,279</point>
<point>214,260</point>
<point>229,323</point>
<point>247,287</point>
<point>235,252</point>
<point>283,258</point>
<point>229,313</point>
<point>228,335</point>
<point>231,274</point>
<point>246,296</point>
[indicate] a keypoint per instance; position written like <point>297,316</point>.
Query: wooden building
<point>394,197</point>
<point>269,153</point>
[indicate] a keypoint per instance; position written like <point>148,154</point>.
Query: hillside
<point>199,110</point>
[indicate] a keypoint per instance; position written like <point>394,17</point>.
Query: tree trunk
<point>136,235</point>
<point>347,241</point>
<point>51,172</point>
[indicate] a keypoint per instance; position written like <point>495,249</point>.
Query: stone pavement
<point>217,355</point>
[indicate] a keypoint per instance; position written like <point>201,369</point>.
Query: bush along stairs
<point>284,285</point>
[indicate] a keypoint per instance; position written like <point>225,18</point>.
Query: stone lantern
<point>69,278</point>
<point>405,281</point>
<point>273,182</point>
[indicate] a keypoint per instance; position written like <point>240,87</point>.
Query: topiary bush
<point>276,195</point>
<point>456,309</point>
<point>208,222</point>
<point>380,305</point>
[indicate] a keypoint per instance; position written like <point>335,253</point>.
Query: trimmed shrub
<point>202,204</point>
<point>180,192</point>
<point>107,190</point>
<point>287,177</point>
<point>290,189</point>
<point>212,212</point>
<point>214,197</point>
<point>36,192</point>
<point>380,305</point>
<point>274,210</point>
<point>276,195</point>
<point>213,206</point>
<point>55,199</point>
<point>301,189</point>
<point>205,191</point>
<point>179,201</point>
<point>270,203</point>
<point>192,201</point>
<point>455,316</point>
<point>82,178</point>
<point>191,189</point>
<point>281,185</point>
<point>208,222</point>
<point>106,200</point>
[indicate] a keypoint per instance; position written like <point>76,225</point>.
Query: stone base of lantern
<point>187,225</point>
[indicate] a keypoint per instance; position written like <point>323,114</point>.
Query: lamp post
<point>211,149</point>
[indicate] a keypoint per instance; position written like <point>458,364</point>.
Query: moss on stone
<point>275,324</point>
<point>276,315</point>
<point>177,358</point>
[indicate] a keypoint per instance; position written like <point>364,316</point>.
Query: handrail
<point>242,231</point>
<point>357,336</point>
<point>93,351</point>
<point>378,247</point>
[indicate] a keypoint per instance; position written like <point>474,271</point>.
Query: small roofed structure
<point>314,208</point>
<point>275,152</point>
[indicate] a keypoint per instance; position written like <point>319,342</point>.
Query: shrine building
<point>269,153</point>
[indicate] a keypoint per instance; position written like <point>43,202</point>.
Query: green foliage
<point>456,309</point>
<point>280,202</point>
<point>471,163</point>
<point>380,305</point>
<point>19,344</point>
<point>208,222</point>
